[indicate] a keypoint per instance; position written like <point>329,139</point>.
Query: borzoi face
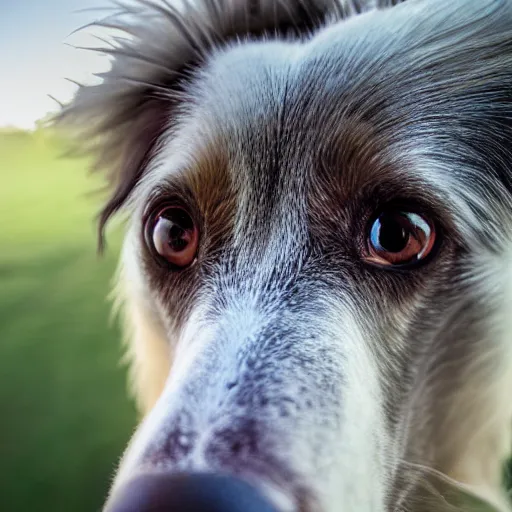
<point>317,274</point>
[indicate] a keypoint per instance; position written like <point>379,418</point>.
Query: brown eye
<point>399,238</point>
<point>174,236</point>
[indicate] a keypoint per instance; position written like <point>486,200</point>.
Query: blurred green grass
<point>65,416</point>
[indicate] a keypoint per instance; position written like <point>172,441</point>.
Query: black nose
<point>188,493</point>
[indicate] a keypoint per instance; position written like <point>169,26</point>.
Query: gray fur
<point>163,44</point>
<point>331,384</point>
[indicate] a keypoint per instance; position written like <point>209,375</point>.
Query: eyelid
<point>172,195</point>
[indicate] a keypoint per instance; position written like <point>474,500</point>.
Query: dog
<point>316,278</point>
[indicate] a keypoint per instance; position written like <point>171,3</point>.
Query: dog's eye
<point>173,235</point>
<point>399,238</point>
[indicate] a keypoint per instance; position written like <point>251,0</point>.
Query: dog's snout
<point>201,492</point>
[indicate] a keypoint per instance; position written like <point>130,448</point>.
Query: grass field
<point>65,416</point>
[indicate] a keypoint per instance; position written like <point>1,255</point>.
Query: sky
<point>34,59</point>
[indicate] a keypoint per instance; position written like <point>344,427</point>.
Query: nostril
<point>236,447</point>
<point>201,492</point>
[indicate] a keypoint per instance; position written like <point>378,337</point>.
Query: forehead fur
<point>121,119</point>
<point>425,71</point>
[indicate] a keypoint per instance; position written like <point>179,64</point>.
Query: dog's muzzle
<point>199,492</point>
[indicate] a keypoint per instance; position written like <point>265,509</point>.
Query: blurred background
<point>65,414</point>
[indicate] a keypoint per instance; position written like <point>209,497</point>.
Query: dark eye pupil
<point>176,240</point>
<point>389,234</point>
<point>174,227</point>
